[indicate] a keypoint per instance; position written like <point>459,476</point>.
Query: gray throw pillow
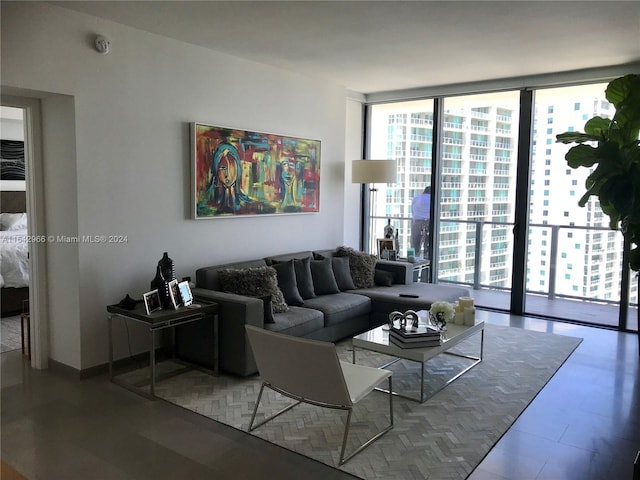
<point>267,309</point>
<point>342,273</point>
<point>383,278</point>
<point>287,283</point>
<point>302,267</point>
<point>254,282</point>
<point>362,266</point>
<point>304,280</point>
<point>324,282</point>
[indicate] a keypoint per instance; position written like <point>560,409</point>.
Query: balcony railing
<point>475,244</point>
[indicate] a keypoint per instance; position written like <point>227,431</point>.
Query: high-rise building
<point>571,251</point>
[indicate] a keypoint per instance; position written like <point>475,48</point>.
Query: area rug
<point>444,438</point>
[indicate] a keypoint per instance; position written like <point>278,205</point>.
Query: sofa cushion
<point>362,266</point>
<point>324,282</point>
<point>340,307</point>
<point>387,299</point>
<point>383,278</point>
<point>298,321</point>
<point>287,283</point>
<point>342,272</point>
<point>253,282</point>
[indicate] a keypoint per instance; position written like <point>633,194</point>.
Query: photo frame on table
<point>240,173</point>
<point>386,249</point>
<point>152,301</point>
<point>185,293</point>
<point>174,294</point>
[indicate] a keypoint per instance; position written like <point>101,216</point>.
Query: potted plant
<point>611,148</point>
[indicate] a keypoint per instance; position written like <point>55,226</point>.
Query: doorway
<point>27,113</point>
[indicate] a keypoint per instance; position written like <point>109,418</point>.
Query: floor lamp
<point>372,172</point>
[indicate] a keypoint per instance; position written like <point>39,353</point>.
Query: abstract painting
<point>239,173</point>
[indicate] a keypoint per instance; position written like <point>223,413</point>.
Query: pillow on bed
<point>13,221</point>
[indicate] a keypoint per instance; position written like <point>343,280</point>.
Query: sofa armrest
<point>403,271</point>
<point>234,312</point>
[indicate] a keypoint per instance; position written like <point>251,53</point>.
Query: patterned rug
<point>443,438</point>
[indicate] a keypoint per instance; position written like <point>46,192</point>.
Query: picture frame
<point>152,301</point>
<point>240,173</point>
<point>174,294</point>
<point>386,249</point>
<point>185,293</point>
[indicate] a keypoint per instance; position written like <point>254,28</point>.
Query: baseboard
<point>129,363</point>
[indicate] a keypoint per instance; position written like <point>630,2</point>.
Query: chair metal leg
<point>344,459</point>
<point>347,427</point>
<point>268,419</point>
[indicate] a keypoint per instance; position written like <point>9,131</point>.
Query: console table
<point>161,320</point>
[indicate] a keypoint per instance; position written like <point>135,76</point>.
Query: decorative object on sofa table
<point>152,301</point>
<point>158,283</point>
<point>441,313</point>
<point>386,249</point>
<point>388,229</point>
<point>127,303</point>
<point>165,272</point>
<point>168,268</point>
<point>174,294</point>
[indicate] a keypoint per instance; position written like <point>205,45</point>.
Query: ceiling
<point>374,46</point>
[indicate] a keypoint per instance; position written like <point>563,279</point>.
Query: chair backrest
<point>309,369</point>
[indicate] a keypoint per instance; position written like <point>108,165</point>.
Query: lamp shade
<point>373,171</point>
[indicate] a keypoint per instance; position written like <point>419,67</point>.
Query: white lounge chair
<point>310,371</point>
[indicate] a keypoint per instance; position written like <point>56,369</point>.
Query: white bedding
<point>14,263</point>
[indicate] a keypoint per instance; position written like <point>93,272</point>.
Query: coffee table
<point>377,340</point>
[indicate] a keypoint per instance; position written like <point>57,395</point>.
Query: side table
<point>160,320</point>
<point>421,269</point>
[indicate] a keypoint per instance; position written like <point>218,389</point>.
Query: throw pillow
<point>267,308</point>
<point>324,282</point>
<point>287,283</point>
<point>302,267</point>
<point>362,266</point>
<point>304,278</point>
<point>254,282</point>
<point>383,278</point>
<point>342,273</point>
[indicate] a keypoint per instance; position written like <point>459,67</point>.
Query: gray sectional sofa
<point>330,305</point>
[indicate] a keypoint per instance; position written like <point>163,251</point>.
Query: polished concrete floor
<point>585,424</point>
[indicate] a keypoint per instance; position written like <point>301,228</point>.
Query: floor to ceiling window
<point>573,261</point>
<point>403,132</point>
<point>477,191</point>
<point>572,253</point>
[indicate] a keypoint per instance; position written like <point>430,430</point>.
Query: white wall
<point>128,172</point>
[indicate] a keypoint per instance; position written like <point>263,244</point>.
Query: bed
<point>14,261</point>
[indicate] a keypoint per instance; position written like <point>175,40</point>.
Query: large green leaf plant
<point>612,146</point>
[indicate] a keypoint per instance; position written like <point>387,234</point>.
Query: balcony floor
<point>579,311</point>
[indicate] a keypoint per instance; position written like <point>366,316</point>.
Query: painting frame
<point>152,302</point>
<point>386,245</point>
<point>185,293</point>
<point>174,294</point>
<point>237,173</point>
